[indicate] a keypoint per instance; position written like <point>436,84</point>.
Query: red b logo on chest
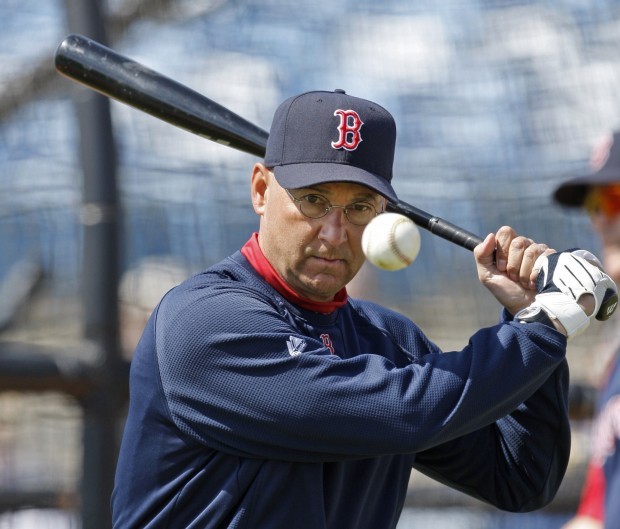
<point>327,342</point>
<point>349,130</point>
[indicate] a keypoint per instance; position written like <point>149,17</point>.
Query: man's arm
<point>516,464</point>
<point>243,392</point>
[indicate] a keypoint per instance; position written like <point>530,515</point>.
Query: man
<point>263,397</point>
<point>599,194</point>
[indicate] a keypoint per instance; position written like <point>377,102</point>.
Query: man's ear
<point>259,184</point>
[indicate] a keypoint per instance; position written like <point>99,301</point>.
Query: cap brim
<point>573,192</point>
<point>294,176</point>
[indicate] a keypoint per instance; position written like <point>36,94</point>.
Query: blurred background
<point>103,208</point>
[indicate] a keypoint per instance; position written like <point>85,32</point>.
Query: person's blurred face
<point>603,206</point>
<point>316,257</point>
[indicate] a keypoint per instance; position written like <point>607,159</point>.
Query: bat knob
<point>608,307</point>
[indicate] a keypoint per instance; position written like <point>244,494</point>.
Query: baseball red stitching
<point>392,242</point>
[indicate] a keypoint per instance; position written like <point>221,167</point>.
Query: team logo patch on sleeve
<point>296,345</point>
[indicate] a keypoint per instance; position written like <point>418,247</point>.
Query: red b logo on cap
<point>349,130</point>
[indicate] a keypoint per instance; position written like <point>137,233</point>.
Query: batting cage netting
<point>496,103</point>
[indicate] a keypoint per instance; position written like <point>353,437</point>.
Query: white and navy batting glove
<point>563,278</point>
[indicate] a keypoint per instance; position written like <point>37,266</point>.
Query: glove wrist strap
<point>559,306</point>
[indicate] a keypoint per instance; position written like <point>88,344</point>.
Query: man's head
<point>598,192</point>
<point>320,137</point>
<point>324,148</point>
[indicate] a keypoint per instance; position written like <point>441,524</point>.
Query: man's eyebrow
<point>362,195</point>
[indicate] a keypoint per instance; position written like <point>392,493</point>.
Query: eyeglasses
<point>315,206</point>
<point>603,200</point>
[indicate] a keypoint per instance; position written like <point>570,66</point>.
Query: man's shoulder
<point>230,270</point>
<point>228,281</point>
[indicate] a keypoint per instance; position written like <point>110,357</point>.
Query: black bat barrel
<point>102,69</point>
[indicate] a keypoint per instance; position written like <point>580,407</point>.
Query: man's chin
<point>322,287</point>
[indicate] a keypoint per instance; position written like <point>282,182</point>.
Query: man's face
<point>608,229</point>
<point>316,257</point>
<point>603,205</point>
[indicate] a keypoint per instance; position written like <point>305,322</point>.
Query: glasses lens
<point>313,206</point>
<point>360,213</point>
<point>604,200</point>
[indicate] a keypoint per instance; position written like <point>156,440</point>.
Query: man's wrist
<point>536,314</point>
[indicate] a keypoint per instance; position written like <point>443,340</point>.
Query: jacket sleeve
<point>231,383</point>
<point>516,463</point>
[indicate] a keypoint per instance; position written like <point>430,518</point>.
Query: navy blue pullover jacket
<point>248,412</point>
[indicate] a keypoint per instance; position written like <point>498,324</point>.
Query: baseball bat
<point>123,79</point>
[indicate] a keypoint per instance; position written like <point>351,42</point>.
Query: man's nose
<point>333,226</point>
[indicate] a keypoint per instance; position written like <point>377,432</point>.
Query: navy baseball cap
<point>605,164</point>
<point>318,137</point>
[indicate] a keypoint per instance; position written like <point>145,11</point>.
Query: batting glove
<point>563,278</point>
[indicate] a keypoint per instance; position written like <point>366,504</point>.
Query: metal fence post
<point>101,226</point>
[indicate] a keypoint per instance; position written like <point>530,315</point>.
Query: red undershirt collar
<point>253,253</point>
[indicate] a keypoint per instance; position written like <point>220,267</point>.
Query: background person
<point>598,193</point>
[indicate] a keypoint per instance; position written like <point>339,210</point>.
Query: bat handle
<point>437,226</point>
<point>454,233</point>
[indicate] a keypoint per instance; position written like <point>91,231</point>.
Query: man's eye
<point>362,207</point>
<point>314,199</point>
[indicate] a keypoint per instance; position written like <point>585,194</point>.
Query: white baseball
<point>391,241</point>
